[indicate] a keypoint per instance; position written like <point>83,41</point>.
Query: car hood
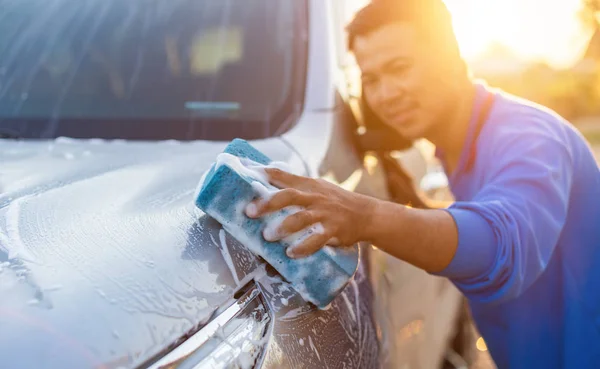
<point>104,259</point>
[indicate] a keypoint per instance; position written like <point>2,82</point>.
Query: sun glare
<point>533,30</point>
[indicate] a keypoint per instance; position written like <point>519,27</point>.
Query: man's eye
<point>400,68</point>
<point>368,81</point>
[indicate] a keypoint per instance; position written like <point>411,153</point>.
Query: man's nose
<point>391,91</point>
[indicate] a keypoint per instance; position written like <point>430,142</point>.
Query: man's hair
<point>431,19</point>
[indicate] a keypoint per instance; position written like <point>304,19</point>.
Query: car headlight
<point>236,338</point>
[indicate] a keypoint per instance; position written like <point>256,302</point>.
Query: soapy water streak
<point>227,256</point>
<point>16,248</point>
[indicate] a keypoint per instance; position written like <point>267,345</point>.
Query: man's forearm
<point>425,238</point>
<point>437,204</point>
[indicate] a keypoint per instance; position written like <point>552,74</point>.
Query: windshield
<point>150,69</point>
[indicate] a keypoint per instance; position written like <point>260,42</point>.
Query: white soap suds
<point>301,236</point>
<point>262,187</point>
<point>233,227</point>
<point>257,274</point>
<point>272,232</point>
<point>295,313</point>
<point>261,342</point>
<point>262,190</point>
<point>245,360</point>
<point>318,228</point>
<point>252,209</point>
<point>245,167</point>
<point>281,166</point>
<point>273,224</point>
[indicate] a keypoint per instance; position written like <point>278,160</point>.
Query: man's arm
<point>508,233</point>
<point>493,247</point>
<point>424,238</point>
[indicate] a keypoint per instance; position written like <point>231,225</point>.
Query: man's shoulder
<point>517,127</point>
<point>518,118</point>
<point>514,109</point>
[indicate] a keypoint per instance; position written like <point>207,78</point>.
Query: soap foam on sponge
<point>238,177</point>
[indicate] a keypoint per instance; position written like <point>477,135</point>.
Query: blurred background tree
<point>590,13</point>
<point>573,92</point>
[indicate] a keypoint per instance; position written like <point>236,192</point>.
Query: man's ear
<point>378,136</point>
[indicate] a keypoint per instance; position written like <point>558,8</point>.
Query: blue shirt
<point>528,219</point>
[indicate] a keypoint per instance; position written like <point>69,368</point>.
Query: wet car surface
<point>106,260</point>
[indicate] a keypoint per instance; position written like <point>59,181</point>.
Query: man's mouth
<point>404,115</point>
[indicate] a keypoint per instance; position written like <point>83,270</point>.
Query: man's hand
<point>344,215</point>
<point>425,238</point>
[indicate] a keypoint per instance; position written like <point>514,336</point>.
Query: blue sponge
<point>224,195</point>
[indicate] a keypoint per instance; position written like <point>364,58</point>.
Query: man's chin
<point>410,130</point>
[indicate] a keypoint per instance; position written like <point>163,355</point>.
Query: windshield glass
<point>150,69</point>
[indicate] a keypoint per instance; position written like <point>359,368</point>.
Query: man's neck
<point>451,134</point>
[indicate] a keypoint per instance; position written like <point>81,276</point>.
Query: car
<point>110,113</point>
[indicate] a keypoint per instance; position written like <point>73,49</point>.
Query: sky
<point>533,30</point>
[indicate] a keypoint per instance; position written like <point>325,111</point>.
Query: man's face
<point>405,81</point>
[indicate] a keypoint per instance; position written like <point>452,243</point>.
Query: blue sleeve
<point>508,232</point>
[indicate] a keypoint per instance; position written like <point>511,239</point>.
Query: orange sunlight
<point>533,30</point>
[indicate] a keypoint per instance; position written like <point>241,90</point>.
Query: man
<point>522,242</point>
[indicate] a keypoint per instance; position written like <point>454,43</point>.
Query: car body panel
<point>106,260</point>
<point>103,247</point>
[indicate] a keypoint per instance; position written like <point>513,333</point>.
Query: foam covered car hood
<point>104,258</point>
